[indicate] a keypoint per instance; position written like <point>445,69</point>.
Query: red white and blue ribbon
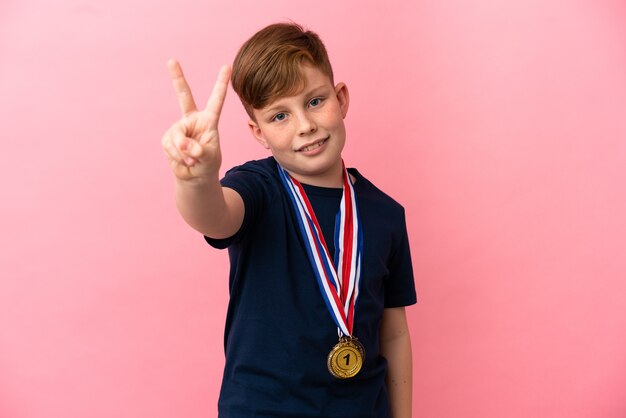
<point>339,281</point>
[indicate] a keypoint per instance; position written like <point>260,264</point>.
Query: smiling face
<point>305,132</point>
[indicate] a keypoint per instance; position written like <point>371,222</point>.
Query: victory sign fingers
<point>192,143</point>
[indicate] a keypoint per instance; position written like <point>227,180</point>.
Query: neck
<point>331,178</point>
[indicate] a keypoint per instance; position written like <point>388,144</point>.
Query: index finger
<point>183,92</point>
<point>218,95</point>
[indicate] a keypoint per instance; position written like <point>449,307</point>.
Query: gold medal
<point>346,358</point>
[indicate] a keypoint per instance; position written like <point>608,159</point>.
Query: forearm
<point>399,375</point>
<point>397,350</point>
<point>209,208</point>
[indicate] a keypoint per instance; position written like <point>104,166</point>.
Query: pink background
<point>500,126</point>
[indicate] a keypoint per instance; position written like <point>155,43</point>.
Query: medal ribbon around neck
<point>339,281</point>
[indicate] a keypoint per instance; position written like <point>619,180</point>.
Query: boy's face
<point>305,132</point>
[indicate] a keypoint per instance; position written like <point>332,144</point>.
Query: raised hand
<point>192,144</point>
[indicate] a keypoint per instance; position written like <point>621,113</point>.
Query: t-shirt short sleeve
<point>400,285</point>
<point>251,181</point>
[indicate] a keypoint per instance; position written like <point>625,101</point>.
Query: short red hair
<point>268,65</point>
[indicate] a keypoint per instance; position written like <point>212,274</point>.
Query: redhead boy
<point>320,262</point>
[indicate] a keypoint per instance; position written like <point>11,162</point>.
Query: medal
<point>338,278</point>
<point>346,358</point>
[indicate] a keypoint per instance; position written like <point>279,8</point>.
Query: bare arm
<point>215,211</point>
<point>193,151</point>
<point>395,346</point>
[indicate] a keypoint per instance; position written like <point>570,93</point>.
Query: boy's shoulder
<point>369,193</point>
<point>265,166</point>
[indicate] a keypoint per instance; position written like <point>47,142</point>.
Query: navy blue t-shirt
<point>278,329</point>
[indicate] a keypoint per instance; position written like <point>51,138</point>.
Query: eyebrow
<point>311,92</point>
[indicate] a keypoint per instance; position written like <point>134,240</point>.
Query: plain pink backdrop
<point>500,126</point>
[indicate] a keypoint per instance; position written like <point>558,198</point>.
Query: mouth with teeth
<point>313,146</point>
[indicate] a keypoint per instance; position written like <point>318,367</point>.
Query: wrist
<point>203,183</point>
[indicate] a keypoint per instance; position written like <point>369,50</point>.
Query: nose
<point>306,124</point>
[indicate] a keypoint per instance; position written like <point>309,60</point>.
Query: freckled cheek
<point>331,120</point>
<point>338,125</point>
<point>281,139</point>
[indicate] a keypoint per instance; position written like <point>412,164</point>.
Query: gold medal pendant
<point>346,358</point>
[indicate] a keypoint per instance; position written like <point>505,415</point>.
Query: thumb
<point>206,148</point>
<point>195,150</point>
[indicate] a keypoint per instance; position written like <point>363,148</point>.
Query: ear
<point>258,134</point>
<point>343,97</point>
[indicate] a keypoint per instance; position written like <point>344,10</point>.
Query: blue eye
<point>315,102</point>
<point>279,116</point>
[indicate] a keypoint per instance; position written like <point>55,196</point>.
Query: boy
<point>320,262</point>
